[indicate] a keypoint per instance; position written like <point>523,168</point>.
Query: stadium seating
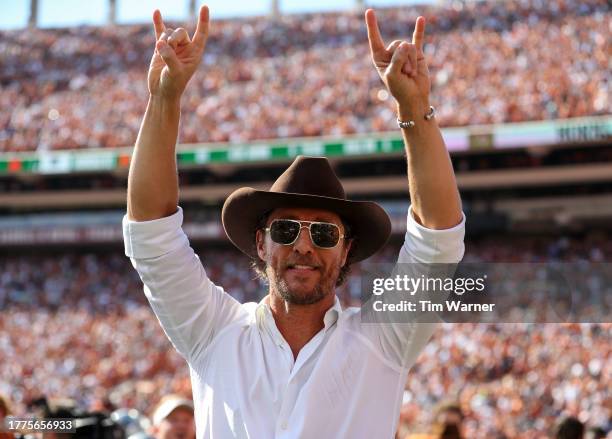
<point>86,87</point>
<point>78,326</point>
<point>74,322</point>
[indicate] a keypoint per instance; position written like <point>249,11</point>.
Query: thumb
<point>168,55</point>
<point>399,58</point>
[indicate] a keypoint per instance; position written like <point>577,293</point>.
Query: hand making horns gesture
<point>401,65</point>
<point>176,56</point>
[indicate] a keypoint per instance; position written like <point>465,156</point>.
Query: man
<point>449,413</point>
<point>447,423</point>
<point>569,427</point>
<point>295,365</point>
<point>5,411</point>
<point>173,418</point>
<point>595,433</point>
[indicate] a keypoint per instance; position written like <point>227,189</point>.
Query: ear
<point>260,242</point>
<point>348,243</point>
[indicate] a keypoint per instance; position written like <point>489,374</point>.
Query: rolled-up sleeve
<point>190,308</point>
<point>402,342</point>
<point>432,246</point>
<point>151,239</point>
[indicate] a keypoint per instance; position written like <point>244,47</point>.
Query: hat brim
<point>370,224</point>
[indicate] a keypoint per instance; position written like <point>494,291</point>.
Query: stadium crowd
<point>78,326</point>
<point>491,62</point>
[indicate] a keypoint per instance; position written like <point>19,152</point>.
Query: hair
<point>569,428</point>
<point>446,431</point>
<point>259,266</point>
<point>449,406</point>
<point>4,406</point>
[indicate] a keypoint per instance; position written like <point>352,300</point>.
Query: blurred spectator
<point>595,433</point>
<point>4,412</point>
<point>132,422</point>
<point>446,431</point>
<point>77,325</point>
<point>449,413</point>
<point>569,428</point>
<point>438,431</point>
<point>492,62</point>
<point>173,418</point>
<point>4,408</point>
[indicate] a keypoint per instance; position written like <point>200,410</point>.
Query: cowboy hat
<point>308,182</point>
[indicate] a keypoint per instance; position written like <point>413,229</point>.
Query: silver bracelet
<point>404,124</point>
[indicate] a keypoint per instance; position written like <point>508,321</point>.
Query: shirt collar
<point>265,319</point>
<point>332,314</point>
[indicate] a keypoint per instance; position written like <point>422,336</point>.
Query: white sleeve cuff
<point>151,239</point>
<point>436,246</point>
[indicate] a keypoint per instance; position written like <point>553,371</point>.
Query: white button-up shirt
<point>346,382</point>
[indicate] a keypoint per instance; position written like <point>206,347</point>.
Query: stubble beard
<point>321,290</point>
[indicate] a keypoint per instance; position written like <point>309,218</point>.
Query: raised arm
<point>403,69</point>
<point>190,308</point>
<point>435,230</point>
<point>152,181</point>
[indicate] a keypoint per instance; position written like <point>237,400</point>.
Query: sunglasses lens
<point>283,231</point>
<point>325,235</point>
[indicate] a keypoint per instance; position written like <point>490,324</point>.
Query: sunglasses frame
<point>310,223</point>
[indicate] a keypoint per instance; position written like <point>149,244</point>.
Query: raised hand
<point>176,56</point>
<point>402,66</point>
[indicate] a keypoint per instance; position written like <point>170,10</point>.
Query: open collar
<point>265,319</point>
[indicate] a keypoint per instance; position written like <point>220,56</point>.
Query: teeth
<point>307,267</point>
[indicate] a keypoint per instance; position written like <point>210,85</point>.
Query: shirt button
<point>284,425</point>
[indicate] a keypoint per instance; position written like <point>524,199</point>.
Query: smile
<point>301,267</point>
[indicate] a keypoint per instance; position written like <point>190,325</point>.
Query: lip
<point>302,269</point>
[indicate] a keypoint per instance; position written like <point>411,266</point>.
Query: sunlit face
<point>178,425</point>
<point>302,273</point>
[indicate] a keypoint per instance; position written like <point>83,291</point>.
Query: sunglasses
<point>287,231</point>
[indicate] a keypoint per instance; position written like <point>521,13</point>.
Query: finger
<point>158,24</point>
<point>168,55</point>
<point>399,59</point>
<point>389,51</point>
<point>408,66</point>
<point>418,35</point>
<point>179,37</point>
<point>411,66</point>
<point>375,39</point>
<point>201,32</point>
<point>166,34</point>
<point>391,48</point>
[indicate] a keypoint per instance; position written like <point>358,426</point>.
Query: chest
<point>252,382</point>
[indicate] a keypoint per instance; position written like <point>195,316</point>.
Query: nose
<point>303,243</point>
